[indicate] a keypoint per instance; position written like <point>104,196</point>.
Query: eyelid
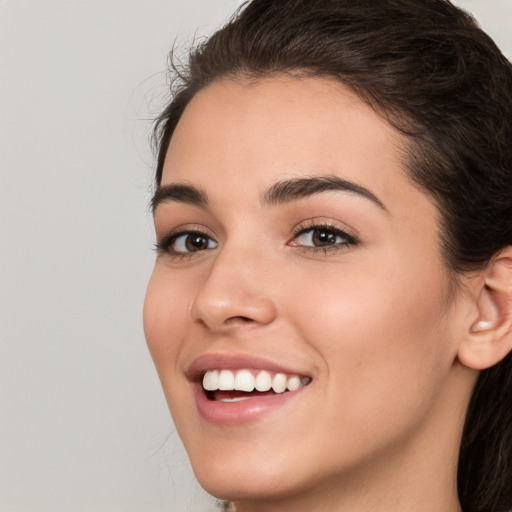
<point>327,224</point>
<point>351,239</point>
<point>164,243</point>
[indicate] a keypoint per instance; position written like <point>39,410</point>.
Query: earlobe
<point>489,337</point>
<point>482,325</point>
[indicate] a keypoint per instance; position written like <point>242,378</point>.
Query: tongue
<point>228,395</point>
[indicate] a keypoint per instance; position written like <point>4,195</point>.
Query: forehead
<point>238,136</point>
<point>275,118</point>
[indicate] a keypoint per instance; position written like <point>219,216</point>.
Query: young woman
<point>330,312</point>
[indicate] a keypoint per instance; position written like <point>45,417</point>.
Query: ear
<point>489,336</point>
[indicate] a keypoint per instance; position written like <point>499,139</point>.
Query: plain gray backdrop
<point>83,423</point>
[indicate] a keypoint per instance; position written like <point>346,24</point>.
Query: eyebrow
<point>298,188</point>
<point>181,193</point>
<point>279,193</point>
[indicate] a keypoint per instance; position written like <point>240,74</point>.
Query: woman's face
<point>292,242</point>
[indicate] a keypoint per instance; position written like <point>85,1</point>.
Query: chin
<point>245,475</point>
<point>256,486</point>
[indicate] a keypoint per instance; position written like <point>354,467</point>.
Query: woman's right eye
<point>186,243</point>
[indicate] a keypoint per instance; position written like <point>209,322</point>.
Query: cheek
<point>164,320</point>
<point>380,334</point>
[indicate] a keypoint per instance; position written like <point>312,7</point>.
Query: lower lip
<point>243,411</point>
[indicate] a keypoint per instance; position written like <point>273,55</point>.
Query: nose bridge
<point>235,289</point>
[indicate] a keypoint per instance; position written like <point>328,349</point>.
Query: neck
<point>371,492</point>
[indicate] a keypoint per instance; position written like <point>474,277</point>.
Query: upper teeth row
<point>244,380</point>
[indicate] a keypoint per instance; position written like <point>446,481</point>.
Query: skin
<point>375,324</point>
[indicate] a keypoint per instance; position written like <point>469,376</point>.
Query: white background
<point>83,422</point>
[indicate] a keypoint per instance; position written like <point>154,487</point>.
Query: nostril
<point>230,322</point>
<point>241,319</point>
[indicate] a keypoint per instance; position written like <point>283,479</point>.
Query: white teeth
<point>236,399</point>
<point>279,382</point>
<point>226,380</point>
<point>244,380</point>
<point>263,381</point>
<point>293,383</point>
<point>211,380</point>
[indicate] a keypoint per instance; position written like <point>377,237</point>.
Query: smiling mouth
<point>244,384</point>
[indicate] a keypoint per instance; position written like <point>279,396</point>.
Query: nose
<point>236,292</point>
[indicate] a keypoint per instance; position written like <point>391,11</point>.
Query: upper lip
<point>230,361</point>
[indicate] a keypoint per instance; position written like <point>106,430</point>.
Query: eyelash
<point>165,245</point>
<point>306,227</point>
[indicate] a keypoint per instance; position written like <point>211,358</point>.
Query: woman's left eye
<point>320,237</point>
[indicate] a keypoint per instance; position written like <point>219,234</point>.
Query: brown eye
<point>196,243</point>
<point>192,242</point>
<point>322,237</point>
